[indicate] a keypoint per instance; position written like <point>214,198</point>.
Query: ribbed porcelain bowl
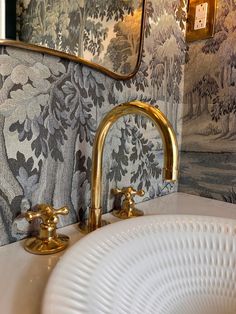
<point>152,264</point>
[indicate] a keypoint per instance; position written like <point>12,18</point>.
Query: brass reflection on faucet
<point>48,241</point>
<point>170,170</point>
<point>128,209</point>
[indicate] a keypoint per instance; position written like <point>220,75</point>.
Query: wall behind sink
<point>208,157</point>
<point>49,112</point>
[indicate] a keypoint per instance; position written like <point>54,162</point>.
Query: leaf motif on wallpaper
<point>161,190</point>
<point>175,8</point>
<point>25,102</point>
<point>79,109</point>
<point>139,81</point>
<point>22,57</point>
<point>119,160</point>
<point>38,103</point>
<point>149,10</point>
<point>48,19</point>
<point>114,137</point>
<point>51,124</point>
<point>141,78</point>
<point>26,130</point>
<point>94,36</point>
<point>142,155</point>
<point>64,129</point>
<point>29,184</point>
<point>123,49</point>
<point>18,56</point>
<point>74,28</point>
<point>82,168</point>
<point>71,112</point>
<point>25,173</point>
<point>44,118</point>
<point>141,121</point>
<point>33,76</point>
<point>21,73</point>
<point>167,47</point>
<point>143,152</point>
<point>92,82</point>
<point>7,64</point>
<point>210,78</point>
<point>54,64</point>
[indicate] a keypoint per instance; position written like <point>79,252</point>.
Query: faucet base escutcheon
<point>43,247</point>
<point>123,214</point>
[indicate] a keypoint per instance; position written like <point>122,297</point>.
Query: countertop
<point>24,276</point>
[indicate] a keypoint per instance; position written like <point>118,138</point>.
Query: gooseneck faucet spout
<point>170,170</point>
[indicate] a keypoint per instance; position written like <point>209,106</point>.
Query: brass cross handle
<point>47,214</point>
<point>48,241</point>
<point>128,192</point>
<point>128,209</point>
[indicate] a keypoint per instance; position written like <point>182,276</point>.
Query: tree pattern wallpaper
<point>50,109</point>
<point>49,112</point>
<point>105,32</point>
<point>208,157</point>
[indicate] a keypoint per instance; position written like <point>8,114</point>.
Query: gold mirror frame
<point>71,57</point>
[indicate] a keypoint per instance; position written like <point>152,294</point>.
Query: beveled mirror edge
<point>95,66</point>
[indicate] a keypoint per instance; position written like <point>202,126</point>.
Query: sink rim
<point>228,227</point>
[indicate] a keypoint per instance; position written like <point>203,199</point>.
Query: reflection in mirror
<point>106,33</point>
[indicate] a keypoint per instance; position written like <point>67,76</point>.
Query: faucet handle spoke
<point>129,191</point>
<point>139,192</point>
<point>116,191</point>
<point>46,213</point>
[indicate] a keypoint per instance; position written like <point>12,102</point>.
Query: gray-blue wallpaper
<point>50,110</point>
<point>105,32</point>
<point>208,157</point>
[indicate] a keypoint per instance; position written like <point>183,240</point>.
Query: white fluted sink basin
<point>149,265</point>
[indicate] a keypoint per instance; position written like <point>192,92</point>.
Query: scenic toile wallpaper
<point>208,157</point>
<point>50,110</point>
<point>104,32</point>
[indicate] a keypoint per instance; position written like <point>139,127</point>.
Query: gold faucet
<point>170,170</point>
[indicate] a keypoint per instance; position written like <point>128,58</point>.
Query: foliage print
<point>210,91</point>
<point>209,117</point>
<point>50,110</point>
<point>85,28</point>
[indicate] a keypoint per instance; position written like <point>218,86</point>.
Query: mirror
<point>104,34</point>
